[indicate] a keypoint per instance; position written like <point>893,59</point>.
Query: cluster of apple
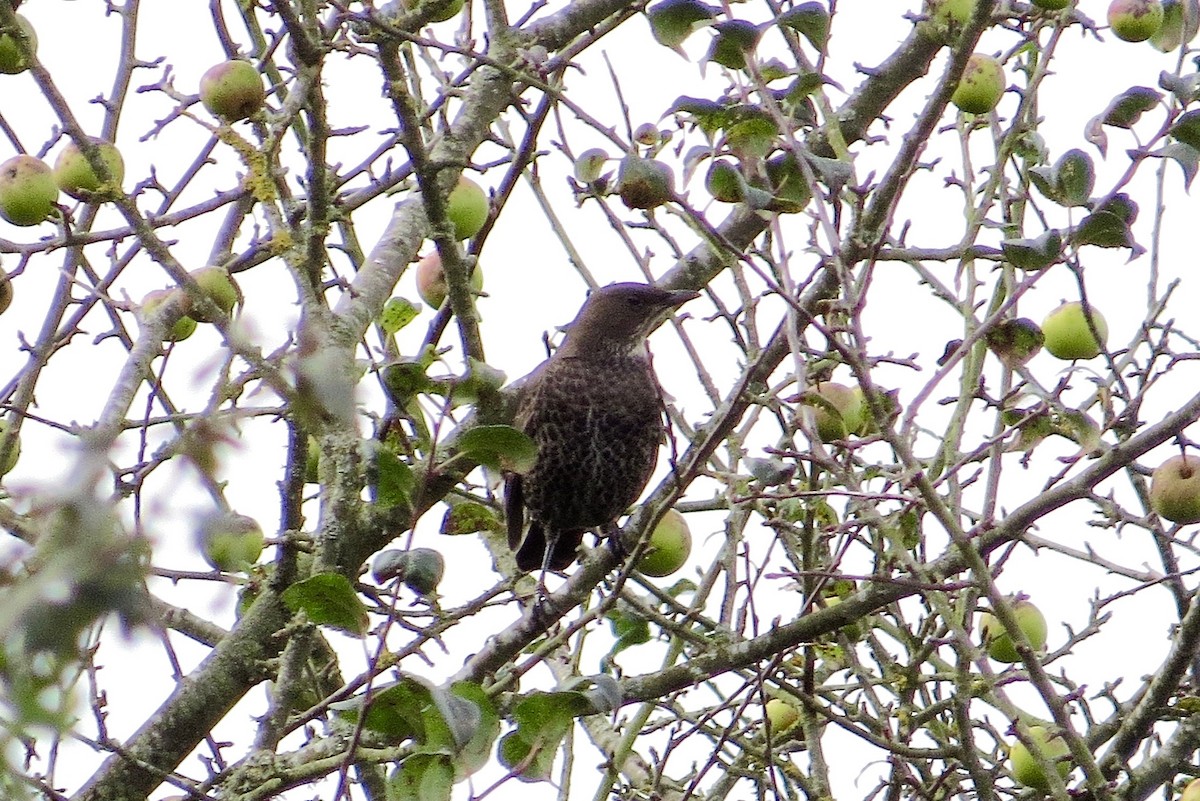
<point>29,187</point>
<point>1162,22</point>
<point>467,209</point>
<point>218,287</point>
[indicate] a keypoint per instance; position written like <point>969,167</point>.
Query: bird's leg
<point>612,534</point>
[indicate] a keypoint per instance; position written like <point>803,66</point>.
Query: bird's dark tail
<point>556,552</point>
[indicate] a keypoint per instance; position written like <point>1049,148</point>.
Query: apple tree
<point>924,523</point>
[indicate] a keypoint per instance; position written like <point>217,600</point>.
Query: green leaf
<point>422,777</point>
<point>397,313</point>
<point>1186,156</point>
<point>1187,128</point>
<point>1033,254</point>
<point>468,517</point>
<point>394,480</point>
<point>530,762</point>
<point>1074,177</point>
<point>735,40</point>
<point>1128,107</point>
<point>752,138</point>
<point>328,599</point>
<point>476,752</point>
<point>1185,88</point>
<point>673,21</point>
<point>499,447</point>
<point>628,627</point>
<point>811,20</point>
<point>1108,225</point>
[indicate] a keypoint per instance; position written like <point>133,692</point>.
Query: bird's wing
<point>514,509</point>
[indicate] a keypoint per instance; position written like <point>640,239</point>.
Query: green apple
<point>1191,792</point>
<point>231,542</point>
<point>1015,341</point>
<point>1052,5</point>
<point>423,570</point>
<point>10,460</point>
<point>1068,335</point>
<point>669,547</point>
<point>74,174</point>
<point>999,642</point>
<point>724,182</point>
<point>1025,768</point>
<point>1179,25</point>
<point>1135,20</point>
<point>789,188</point>
<point>781,715</point>
<point>183,328</point>
<point>6,291</point>
<point>589,166</point>
<point>1175,490</point>
<point>12,59</point>
<point>644,183</point>
<point>27,190</point>
<point>218,285</point>
<point>232,90</point>
<point>981,85</point>
<point>838,410</point>
<point>431,280</point>
<point>446,9</point>
<point>467,208</point>
<point>950,12</point>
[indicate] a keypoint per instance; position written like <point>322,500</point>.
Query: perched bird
<point>594,410</point>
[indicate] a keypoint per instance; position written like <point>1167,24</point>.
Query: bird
<point>594,410</point>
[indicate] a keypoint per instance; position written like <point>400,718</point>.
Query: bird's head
<point>618,318</point>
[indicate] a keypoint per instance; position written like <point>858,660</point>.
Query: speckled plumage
<point>595,412</point>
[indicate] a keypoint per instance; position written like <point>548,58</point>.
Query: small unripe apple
<point>1191,792</point>
<point>1175,490</point>
<point>27,190</point>
<point>999,642</point>
<point>6,291</point>
<point>1026,770</point>
<point>669,547</point>
<point>423,571</point>
<point>1015,341</point>
<point>1068,335</point>
<point>950,12</point>
<point>231,542</point>
<point>981,86</point>
<point>644,183</point>
<point>232,90</point>
<point>781,715</point>
<point>1135,20</point>
<point>1052,5</point>
<point>12,60</point>
<point>467,208</point>
<point>431,280</point>
<point>724,182</point>
<point>10,460</point>
<point>447,11</point>
<point>75,176</point>
<point>837,411</point>
<point>589,166</point>
<point>218,285</point>
<point>183,328</point>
